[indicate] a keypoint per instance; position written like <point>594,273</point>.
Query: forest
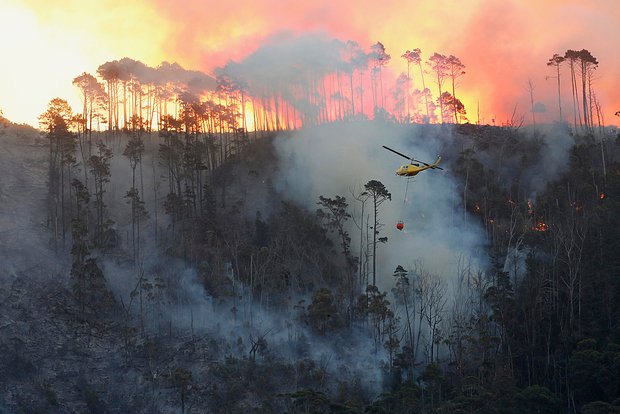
<point>313,81</point>
<point>223,256</point>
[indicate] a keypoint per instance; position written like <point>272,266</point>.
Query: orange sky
<point>503,44</point>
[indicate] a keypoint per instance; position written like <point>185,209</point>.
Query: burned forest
<point>241,243</point>
<point>187,271</point>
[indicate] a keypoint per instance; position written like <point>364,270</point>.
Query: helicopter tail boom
<point>435,165</point>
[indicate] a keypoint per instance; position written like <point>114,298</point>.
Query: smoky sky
<point>502,44</point>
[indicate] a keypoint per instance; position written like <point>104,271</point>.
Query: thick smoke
<point>295,67</point>
<point>24,239</point>
<point>557,141</point>
<point>183,306</point>
<point>125,69</point>
<point>286,57</point>
<point>338,159</point>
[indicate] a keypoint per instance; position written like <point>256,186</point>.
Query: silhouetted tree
<point>80,250</point>
<point>133,151</point>
<point>556,61</point>
<point>62,145</point>
<point>455,71</point>
<point>99,165</point>
<point>93,96</point>
<point>430,290</point>
<point>415,56</point>
<point>380,58</point>
<point>588,64</point>
<point>111,73</point>
<point>410,57</point>
<point>322,312</point>
<point>378,194</point>
<point>335,215</point>
<point>402,293</point>
<point>451,106</point>
<point>380,315</point>
<point>356,59</point>
<point>89,285</point>
<point>440,66</point>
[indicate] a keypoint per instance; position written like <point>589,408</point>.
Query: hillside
<point>203,279</point>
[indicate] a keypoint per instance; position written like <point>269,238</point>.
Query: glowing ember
<point>541,226</point>
<point>601,196</point>
<point>476,208</point>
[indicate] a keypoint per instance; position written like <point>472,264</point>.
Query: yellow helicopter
<point>411,169</point>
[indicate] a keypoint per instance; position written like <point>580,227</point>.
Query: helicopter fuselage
<point>409,170</point>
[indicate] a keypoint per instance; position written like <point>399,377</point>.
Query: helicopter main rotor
<point>396,152</point>
<point>412,160</point>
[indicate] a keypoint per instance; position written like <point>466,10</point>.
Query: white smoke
<point>554,157</point>
<point>334,159</point>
